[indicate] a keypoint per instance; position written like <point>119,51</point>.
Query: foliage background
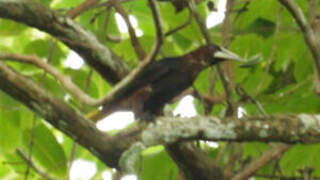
<point>282,83</point>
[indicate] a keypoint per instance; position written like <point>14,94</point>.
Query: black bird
<point>165,79</point>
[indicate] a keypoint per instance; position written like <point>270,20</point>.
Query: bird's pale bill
<point>226,54</point>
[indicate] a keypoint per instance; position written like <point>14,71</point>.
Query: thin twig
<point>134,39</point>
<point>146,61</point>
<point>116,91</point>
<point>245,95</point>
<point>129,79</point>
<point>210,99</point>
<point>309,37</point>
<point>45,175</point>
<point>52,48</point>
<point>83,109</point>
<point>226,72</point>
<point>29,157</point>
<point>106,24</point>
<point>181,26</point>
<point>313,9</point>
<point>200,21</point>
<point>243,9</point>
<point>226,39</point>
<point>265,158</point>
<point>66,81</point>
<point>295,88</point>
<point>225,80</point>
<point>159,27</point>
<point>282,177</point>
<point>83,7</point>
<point>273,53</point>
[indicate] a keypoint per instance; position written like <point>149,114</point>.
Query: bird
<point>162,80</point>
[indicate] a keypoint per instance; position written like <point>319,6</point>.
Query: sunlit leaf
<point>47,152</point>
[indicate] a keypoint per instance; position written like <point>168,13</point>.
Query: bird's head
<point>214,54</point>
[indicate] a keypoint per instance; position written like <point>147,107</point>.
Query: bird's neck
<point>193,63</point>
<point>197,59</point>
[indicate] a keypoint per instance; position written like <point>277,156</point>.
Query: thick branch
<point>107,148</point>
<point>290,129</point>
<point>194,163</point>
<point>72,34</point>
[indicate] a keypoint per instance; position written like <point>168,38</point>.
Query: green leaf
<point>300,156</point>
<point>5,172</point>
<point>15,162</point>
<point>254,149</point>
<point>66,4</point>
<point>46,2</point>
<point>291,46</point>
<point>100,84</point>
<point>142,12</point>
<point>292,99</point>
<point>46,151</point>
<point>10,132</point>
<point>257,9</point>
<point>11,28</point>
<point>262,27</point>
<point>158,166</point>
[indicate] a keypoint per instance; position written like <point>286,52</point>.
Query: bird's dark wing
<point>153,73</point>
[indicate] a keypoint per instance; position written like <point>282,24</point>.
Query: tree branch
<point>309,36</point>
<point>116,93</point>
<point>45,175</point>
<point>200,21</point>
<point>134,39</point>
<point>194,163</point>
<point>114,39</point>
<point>289,129</point>
<point>226,72</point>
<point>172,31</point>
<point>107,148</point>
<point>69,32</point>
<point>83,7</point>
<point>264,159</point>
<point>65,80</point>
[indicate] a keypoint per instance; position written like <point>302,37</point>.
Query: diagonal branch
<point>134,39</point>
<point>83,7</point>
<point>222,73</point>
<point>109,37</point>
<point>194,163</point>
<point>45,175</point>
<point>66,81</point>
<point>172,31</point>
<point>200,21</point>
<point>264,159</point>
<point>309,36</point>
<point>55,111</point>
<point>82,41</point>
<point>116,93</point>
